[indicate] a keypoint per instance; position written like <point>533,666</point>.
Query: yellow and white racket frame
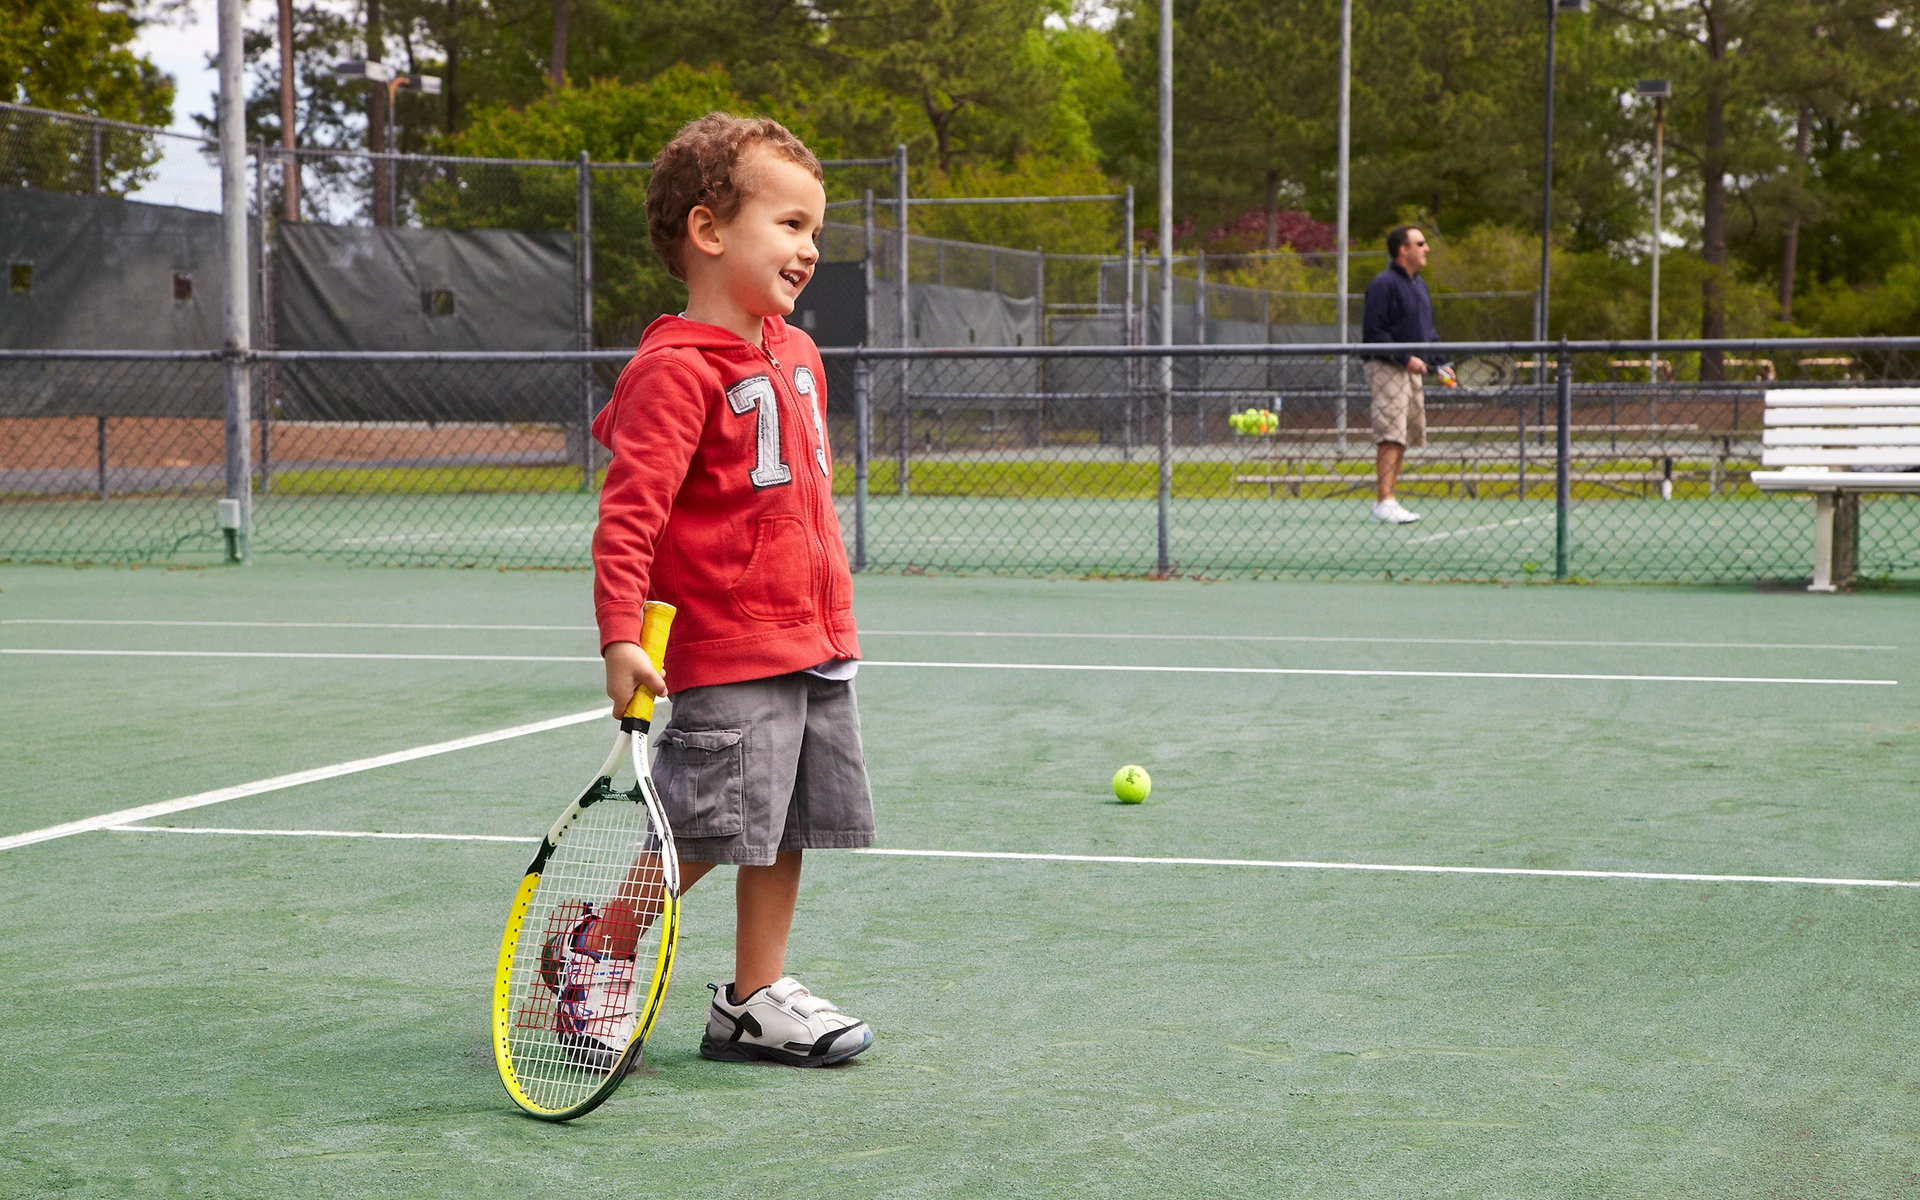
<point>632,743</point>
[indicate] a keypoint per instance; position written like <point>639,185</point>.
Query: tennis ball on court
<point>1131,784</point>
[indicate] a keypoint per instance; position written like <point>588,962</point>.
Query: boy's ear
<point>703,231</point>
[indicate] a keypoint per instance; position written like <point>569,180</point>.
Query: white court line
<point>1360,673</point>
<point>281,782</point>
<point>1120,859</point>
<point>542,658</point>
<point>456,535</point>
<point>1365,641</point>
<point>287,624</point>
<point>995,633</point>
<point>1308,865</point>
<point>1348,672</point>
<point>1472,529</point>
<point>319,833</point>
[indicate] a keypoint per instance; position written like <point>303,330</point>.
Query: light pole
<point>289,162</point>
<point>1163,564</point>
<point>1658,90</point>
<point>1340,219</point>
<point>236,327</point>
<point>370,71</point>
<point>1554,9</point>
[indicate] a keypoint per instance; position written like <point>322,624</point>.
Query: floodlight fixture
<point>426,85</point>
<point>1572,6</point>
<point>1653,89</point>
<point>363,71</point>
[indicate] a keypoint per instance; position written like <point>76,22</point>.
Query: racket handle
<point>656,618</point>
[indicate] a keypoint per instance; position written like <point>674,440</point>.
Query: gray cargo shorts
<point>746,770</point>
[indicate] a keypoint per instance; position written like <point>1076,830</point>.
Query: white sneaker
<point>783,1022</point>
<point>1391,512</point>
<point>595,1016</point>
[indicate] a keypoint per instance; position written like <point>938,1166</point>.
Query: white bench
<point>1819,438</point>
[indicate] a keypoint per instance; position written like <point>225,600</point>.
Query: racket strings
<point>583,968</point>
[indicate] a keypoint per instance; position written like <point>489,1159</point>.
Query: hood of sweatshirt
<point>669,333</point>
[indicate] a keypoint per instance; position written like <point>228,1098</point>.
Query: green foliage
<point>982,79</point>
<point>613,122</point>
<point>1446,113</point>
<point>1001,96</point>
<point>1887,307</point>
<point>1866,185</point>
<point>1056,228</point>
<point>76,56</point>
<point>1595,294</point>
<point>1089,86</point>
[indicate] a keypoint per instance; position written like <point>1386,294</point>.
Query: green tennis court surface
<point>251,1013</point>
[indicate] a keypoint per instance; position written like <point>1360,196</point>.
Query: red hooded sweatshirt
<point>719,501</point>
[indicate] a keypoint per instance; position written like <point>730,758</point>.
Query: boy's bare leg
<point>1386,467</point>
<point>764,900</point>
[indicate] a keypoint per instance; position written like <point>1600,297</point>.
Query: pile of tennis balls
<point>1255,422</point>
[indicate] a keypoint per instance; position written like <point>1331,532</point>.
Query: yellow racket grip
<point>656,618</point>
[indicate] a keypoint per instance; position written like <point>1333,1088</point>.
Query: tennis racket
<point>1486,372</point>
<point>588,947</point>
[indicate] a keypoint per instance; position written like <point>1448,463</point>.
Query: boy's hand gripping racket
<point>588,947</point>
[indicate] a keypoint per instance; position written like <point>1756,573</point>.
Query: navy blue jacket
<point>1398,310</point>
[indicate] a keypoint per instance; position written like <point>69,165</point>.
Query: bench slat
<point>1841,397</point>
<point>1803,480</point>
<point>1909,436</point>
<point>1842,416</point>
<point>1904,456</point>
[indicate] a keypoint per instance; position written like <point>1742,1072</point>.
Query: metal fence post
<point>270,394</point>
<point>862,445</point>
<point>866,273</point>
<point>98,171</point>
<point>1520,406</point>
<point>1164,565</point>
<point>1126,264</point>
<point>236,514</point>
<point>1039,296</point>
<point>100,451</point>
<point>903,268</point>
<point>1563,464</point>
<point>583,222</point>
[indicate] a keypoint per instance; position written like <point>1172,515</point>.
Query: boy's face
<point>772,244</point>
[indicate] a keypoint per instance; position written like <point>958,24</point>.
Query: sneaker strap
<point>794,994</point>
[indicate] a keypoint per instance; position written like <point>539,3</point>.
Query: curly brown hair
<point>701,166</point>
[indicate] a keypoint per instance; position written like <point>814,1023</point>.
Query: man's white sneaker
<point>782,1022</point>
<point>1392,513</point>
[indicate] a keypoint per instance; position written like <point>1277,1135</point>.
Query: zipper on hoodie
<point>822,597</point>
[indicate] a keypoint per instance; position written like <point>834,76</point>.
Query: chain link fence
<point>56,152</point>
<point>1035,464</point>
<point>1026,462</point>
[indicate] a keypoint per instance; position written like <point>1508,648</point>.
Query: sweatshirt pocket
<point>704,775</point>
<point>777,583</point>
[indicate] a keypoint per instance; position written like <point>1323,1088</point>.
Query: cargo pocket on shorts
<point>705,788</point>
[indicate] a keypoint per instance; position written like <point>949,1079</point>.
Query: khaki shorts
<point>1399,404</point>
<point>746,770</point>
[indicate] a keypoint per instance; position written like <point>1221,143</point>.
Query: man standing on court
<point>1398,310</point>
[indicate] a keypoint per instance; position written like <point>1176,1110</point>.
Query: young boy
<point>719,500</point>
